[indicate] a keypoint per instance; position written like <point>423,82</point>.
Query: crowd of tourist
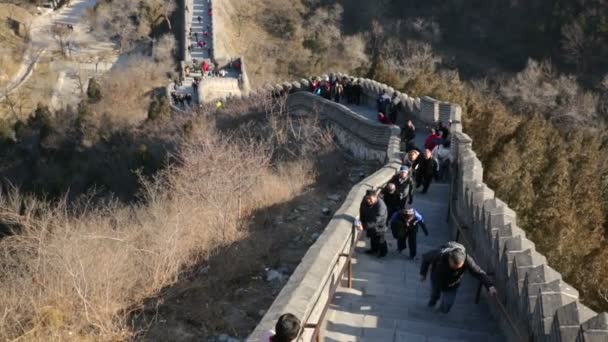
<point>336,89</point>
<point>392,207</point>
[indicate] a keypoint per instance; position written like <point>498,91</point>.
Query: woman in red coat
<point>432,140</point>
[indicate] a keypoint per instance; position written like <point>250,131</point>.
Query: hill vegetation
<point>112,201</point>
<point>534,96</point>
<point>76,270</point>
<point>13,40</point>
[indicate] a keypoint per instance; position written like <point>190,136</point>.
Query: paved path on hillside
<point>388,303</point>
<point>41,38</point>
<point>87,55</point>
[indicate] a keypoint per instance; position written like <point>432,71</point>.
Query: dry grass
<point>74,274</point>
<point>285,42</point>
<point>126,89</point>
<point>12,46</point>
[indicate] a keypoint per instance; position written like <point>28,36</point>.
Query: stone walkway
<point>201,8</point>
<point>387,301</point>
<point>86,47</point>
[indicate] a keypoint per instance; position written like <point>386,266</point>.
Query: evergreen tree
<point>94,94</point>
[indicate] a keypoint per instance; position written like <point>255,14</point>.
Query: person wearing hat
<point>405,186</point>
<point>392,199</point>
<point>372,216</point>
<point>448,264</point>
<point>404,226</point>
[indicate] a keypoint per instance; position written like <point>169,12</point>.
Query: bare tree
<point>17,103</point>
<point>573,44</point>
<point>159,10</point>
<point>61,33</point>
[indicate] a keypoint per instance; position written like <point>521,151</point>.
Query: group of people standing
<point>433,162</point>
<point>335,89</point>
<point>388,108</point>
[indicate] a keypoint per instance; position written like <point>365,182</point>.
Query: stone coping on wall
<point>308,281</point>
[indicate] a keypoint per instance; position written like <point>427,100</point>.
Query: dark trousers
<point>378,243</point>
<point>424,181</point>
<point>411,241</point>
<point>444,169</point>
<point>393,117</point>
<point>447,297</point>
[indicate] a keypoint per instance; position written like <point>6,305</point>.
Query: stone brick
<point>595,329</point>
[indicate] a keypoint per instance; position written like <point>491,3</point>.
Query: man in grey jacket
<point>448,264</point>
<point>373,214</point>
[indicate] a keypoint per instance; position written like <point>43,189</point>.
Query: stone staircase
<point>200,9</point>
<point>388,302</point>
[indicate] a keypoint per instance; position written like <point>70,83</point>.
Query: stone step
<point>415,309</point>
<point>375,328</point>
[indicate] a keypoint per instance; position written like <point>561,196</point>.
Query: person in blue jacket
<point>404,226</point>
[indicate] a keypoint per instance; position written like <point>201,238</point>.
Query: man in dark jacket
<point>448,264</point>
<point>357,92</point>
<point>395,107</point>
<point>443,131</point>
<point>405,186</point>
<point>425,167</point>
<point>392,199</point>
<point>408,134</point>
<point>372,215</point>
<point>404,225</point>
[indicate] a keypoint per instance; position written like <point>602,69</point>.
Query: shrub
<point>159,108</point>
<point>94,94</point>
<point>75,271</point>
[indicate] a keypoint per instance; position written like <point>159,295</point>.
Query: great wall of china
<point>534,303</point>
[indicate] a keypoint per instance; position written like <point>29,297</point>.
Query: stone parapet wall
<point>364,139</point>
<point>186,18</point>
<point>538,302</point>
<point>307,291</point>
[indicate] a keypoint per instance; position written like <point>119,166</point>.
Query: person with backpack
<point>405,186</point>
<point>404,226</point>
<point>448,264</point>
<point>286,329</point>
<point>372,216</point>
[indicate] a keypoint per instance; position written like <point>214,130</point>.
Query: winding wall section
<point>534,302</point>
